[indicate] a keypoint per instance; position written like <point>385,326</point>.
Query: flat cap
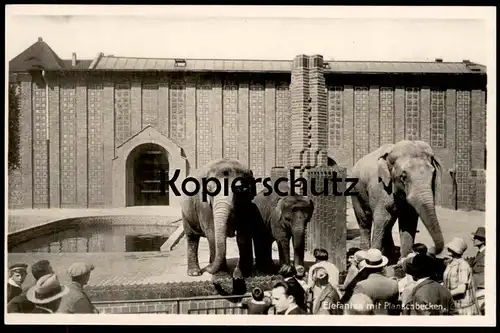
<point>18,267</point>
<point>79,268</point>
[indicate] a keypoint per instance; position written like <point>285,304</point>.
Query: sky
<point>249,33</point>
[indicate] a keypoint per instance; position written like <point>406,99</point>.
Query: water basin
<point>96,236</point>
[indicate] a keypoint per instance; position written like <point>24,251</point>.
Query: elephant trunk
<point>424,205</point>
<point>299,241</point>
<point>221,210</point>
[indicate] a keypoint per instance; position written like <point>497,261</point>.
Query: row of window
<point>386,100</point>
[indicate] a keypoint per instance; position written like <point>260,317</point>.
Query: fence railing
<point>178,301</point>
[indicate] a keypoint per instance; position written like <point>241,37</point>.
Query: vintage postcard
<point>199,164</point>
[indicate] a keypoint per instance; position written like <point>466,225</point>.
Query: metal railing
<point>178,302</point>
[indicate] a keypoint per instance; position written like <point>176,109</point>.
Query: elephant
<point>220,216</point>
<point>279,219</point>
<point>397,181</point>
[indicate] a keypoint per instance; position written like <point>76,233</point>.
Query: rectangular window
<point>412,114</point>
<point>438,118</point>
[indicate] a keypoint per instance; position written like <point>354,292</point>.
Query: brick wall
<point>15,189</point>
<point>264,120</point>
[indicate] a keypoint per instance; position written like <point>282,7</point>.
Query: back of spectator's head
<point>301,272</point>
<point>352,251</point>
<point>257,294</point>
<point>287,271</point>
<point>419,248</point>
<point>320,254</point>
<point>420,266</point>
<point>41,268</point>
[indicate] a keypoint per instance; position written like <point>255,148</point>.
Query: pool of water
<point>101,237</point>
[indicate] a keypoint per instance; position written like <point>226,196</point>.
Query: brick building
<point>88,126</point>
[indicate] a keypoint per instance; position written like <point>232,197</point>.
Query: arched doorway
<point>147,168</point>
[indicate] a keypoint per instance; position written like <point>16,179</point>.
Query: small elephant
<point>397,181</point>
<point>280,218</point>
<point>220,216</point>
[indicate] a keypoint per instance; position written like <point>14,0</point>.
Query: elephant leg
<point>211,246</point>
<point>193,241</point>
<point>364,218</point>
<point>245,262</point>
<point>408,221</point>
<point>382,231</point>
<point>284,251</point>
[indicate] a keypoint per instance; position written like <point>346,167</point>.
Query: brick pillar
<point>26,140</point>
<point>108,134</point>
<point>135,106</point>
<point>270,127</point>
<point>190,134</point>
<point>81,145</point>
<point>399,114</point>
<point>327,228</point>
<point>448,201</point>
<point>318,118</point>
<point>478,130</point>
<point>374,118</point>
<point>243,124</point>
<point>348,142</point>
<point>54,145</point>
<point>216,119</point>
<point>425,115</point>
<point>300,111</point>
<point>163,107</point>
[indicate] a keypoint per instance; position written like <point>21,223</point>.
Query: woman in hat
<point>46,294</point>
<point>325,298</point>
<point>457,278</point>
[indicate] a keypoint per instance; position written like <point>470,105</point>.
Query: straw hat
<point>457,245</point>
<point>374,259</point>
<point>47,289</point>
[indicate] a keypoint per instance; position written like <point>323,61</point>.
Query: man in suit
<point>382,290</point>
<point>427,297</point>
<point>477,265</point>
<point>288,298</point>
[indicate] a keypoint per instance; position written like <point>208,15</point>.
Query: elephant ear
<point>436,177</point>
<point>277,211</point>
<point>384,169</point>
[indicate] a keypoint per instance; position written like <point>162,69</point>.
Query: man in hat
<point>77,301</point>
<point>477,265</point>
<point>354,268</point>
<point>17,275</point>
<point>427,297</point>
<point>382,290</point>
<point>46,294</point>
<point>20,303</point>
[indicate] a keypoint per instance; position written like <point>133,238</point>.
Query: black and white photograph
<point>227,161</point>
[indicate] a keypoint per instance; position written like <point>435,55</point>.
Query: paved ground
<point>144,268</point>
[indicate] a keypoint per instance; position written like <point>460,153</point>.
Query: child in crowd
<point>258,304</point>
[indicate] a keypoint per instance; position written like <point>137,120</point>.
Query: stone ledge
<point>223,287</point>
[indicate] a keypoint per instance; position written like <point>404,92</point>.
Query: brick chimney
<point>439,59</point>
<point>40,39</point>
<point>73,60</point>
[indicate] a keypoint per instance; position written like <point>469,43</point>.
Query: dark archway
<point>147,167</point>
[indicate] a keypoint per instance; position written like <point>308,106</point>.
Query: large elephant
<point>280,218</point>
<point>397,181</point>
<point>220,216</point>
